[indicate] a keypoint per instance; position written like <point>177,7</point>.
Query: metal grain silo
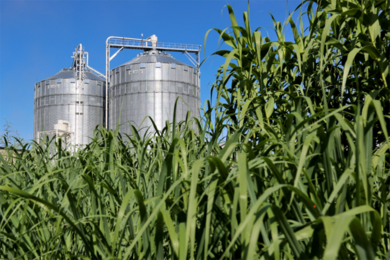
<point>148,85</point>
<point>70,103</point>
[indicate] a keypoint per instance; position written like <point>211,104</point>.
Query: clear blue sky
<point>37,39</point>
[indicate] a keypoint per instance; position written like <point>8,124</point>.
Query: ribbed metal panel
<point>149,86</point>
<point>56,99</point>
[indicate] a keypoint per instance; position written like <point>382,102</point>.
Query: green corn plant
<point>302,171</point>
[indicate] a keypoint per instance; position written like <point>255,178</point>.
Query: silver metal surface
<point>159,57</point>
<point>152,45</point>
<point>137,92</point>
<point>73,95</point>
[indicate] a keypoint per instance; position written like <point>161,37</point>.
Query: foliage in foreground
<point>304,171</point>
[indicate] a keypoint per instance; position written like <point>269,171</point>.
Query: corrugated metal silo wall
<point>55,99</point>
<point>136,93</point>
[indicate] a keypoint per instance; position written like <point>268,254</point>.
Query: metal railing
<point>145,44</point>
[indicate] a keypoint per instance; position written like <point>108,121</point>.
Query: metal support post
<point>198,59</point>
<point>116,53</point>
<point>107,79</point>
<point>192,60</point>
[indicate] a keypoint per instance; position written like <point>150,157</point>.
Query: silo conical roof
<point>68,73</point>
<point>154,56</point>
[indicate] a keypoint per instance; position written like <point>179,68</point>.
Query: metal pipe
<point>198,59</point>
<point>79,91</point>
<point>116,53</point>
<point>107,78</point>
<point>192,60</point>
<point>78,82</point>
<point>87,58</point>
<point>87,65</point>
<point>97,72</point>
